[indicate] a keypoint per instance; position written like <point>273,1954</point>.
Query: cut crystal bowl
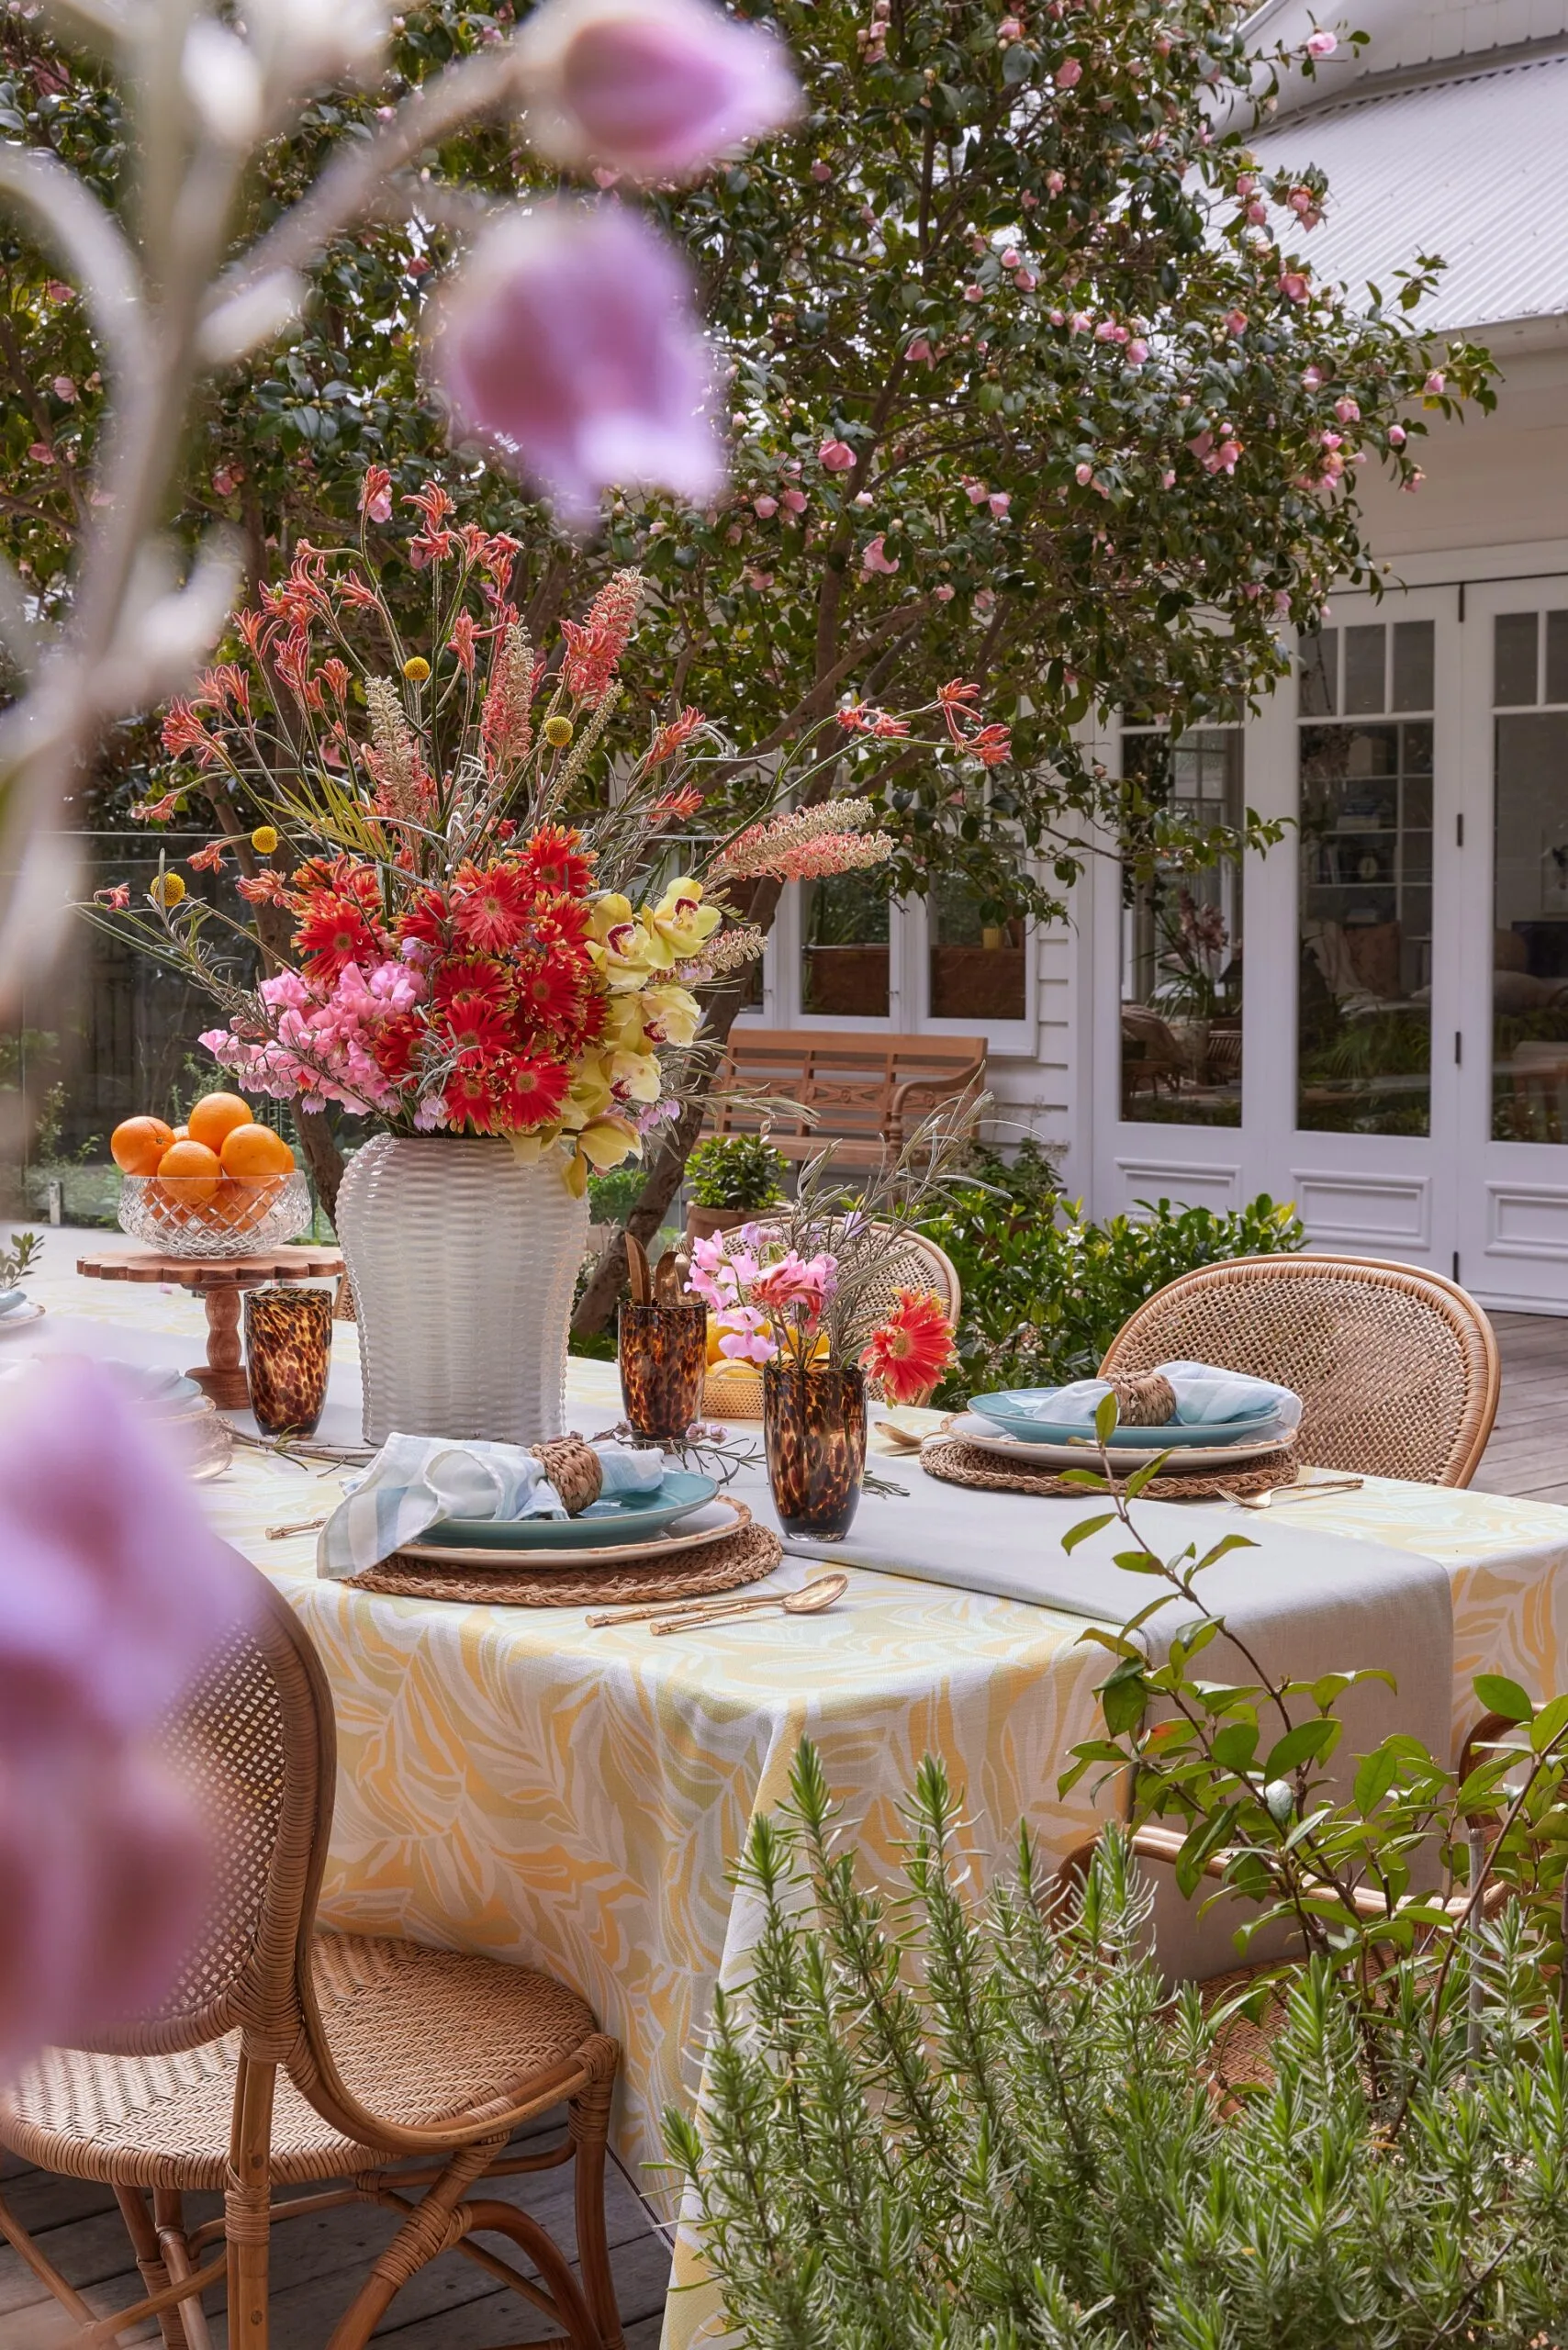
<point>214,1215</point>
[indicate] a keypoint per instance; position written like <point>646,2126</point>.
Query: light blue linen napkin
<point>416,1481</point>
<point>1205,1397</point>
<point>10,1299</point>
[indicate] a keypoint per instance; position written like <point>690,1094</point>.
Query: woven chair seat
<point>426,2034</point>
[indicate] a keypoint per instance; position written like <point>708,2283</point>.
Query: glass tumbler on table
<point>289,1350</point>
<point>664,1357</point>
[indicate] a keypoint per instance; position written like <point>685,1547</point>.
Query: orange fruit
<point>138,1143</point>
<point>254,1149</point>
<point>217,1114</point>
<point>182,1134</point>
<point>193,1171</point>
<point>241,1204</point>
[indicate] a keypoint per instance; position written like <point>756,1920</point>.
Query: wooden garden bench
<point>869,1090</point>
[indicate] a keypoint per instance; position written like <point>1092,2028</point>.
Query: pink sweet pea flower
<point>836,456</point>
<point>658,89</point>
<point>569,342</point>
<point>114,1592</point>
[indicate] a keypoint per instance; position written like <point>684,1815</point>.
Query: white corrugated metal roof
<point>1474,167</point>
<point>1399,34</point>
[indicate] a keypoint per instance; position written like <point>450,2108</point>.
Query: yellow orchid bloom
<point>588,1093</point>
<point>636,1073</point>
<point>622,945</point>
<point>530,1148</point>
<point>682,919</point>
<point>671,1015</point>
<point>623,1030</point>
<point>607,1142</point>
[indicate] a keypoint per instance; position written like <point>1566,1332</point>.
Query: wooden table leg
<point>222,1375</point>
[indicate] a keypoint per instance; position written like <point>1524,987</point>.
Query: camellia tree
<point>1029,383</point>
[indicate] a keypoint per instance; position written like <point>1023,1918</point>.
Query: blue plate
<point>622,1517</point>
<point>1010,1411</point>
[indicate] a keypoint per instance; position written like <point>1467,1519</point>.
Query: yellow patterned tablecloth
<point>515,1784</point>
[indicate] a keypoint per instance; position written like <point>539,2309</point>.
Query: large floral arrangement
<point>478,911</point>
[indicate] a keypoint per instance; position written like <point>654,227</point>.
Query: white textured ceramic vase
<point>463,1262</point>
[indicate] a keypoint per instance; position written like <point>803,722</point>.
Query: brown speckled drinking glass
<point>664,1356</point>
<point>814,1428</point>
<point>289,1349</point>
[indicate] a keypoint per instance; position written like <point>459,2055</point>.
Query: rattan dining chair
<point>287,2055</point>
<point>1396,1368</point>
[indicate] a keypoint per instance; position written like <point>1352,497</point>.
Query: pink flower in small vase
<point>658,89</point>
<point>569,343</point>
<point>747,1336</point>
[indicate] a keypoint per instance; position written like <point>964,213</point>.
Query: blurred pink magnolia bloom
<point>658,89</point>
<point>569,342</point>
<point>113,1592</point>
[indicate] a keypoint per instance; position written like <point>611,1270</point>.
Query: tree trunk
<point>322,1156</point>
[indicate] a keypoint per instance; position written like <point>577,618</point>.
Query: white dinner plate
<point>967,1428</point>
<point>719,1517</point>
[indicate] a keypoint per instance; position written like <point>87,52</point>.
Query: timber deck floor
<point>451,2305</point>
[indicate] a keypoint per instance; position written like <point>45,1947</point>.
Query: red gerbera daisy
<point>561,926</point>
<point>549,994</point>
<point>913,1349</point>
<point>472,1021</point>
<point>530,1092</point>
<point>468,1095</point>
<point>396,1042</point>
<point>554,858</point>
<point>335,930</point>
<point>426,920</point>
<point>490,906</point>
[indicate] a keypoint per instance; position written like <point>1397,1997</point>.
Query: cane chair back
<point>251,1741</point>
<point>1396,1368</point>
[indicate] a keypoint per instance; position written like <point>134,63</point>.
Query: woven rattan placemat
<point>721,1565</point>
<point>958,1463</point>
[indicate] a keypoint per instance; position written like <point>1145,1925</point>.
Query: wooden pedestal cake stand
<point>220,1280</point>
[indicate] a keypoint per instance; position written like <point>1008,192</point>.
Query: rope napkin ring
<point>1145,1399</point>
<point>574,1469</point>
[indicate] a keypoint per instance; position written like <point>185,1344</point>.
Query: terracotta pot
<point>814,1429</point>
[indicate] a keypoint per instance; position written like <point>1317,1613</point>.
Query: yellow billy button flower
<point>559,733</point>
<point>416,669</point>
<point>167,891</point>
<point>264,840</point>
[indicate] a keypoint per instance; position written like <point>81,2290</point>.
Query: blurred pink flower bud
<point>1011,257</point>
<point>114,1592</point>
<point>1009,30</point>
<point>1168,478</point>
<point>1417,478</point>
<point>1435,382</point>
<point>864,497</point>
<point>793,501</point>
<point>821,172</point>
<point>875,557</point>
<point>654,87</point>
<point>1257,212</point>
<point>1235,322</point>
<point>1396,436</point>
<point>1082,322</point>
<point>1136,351</point>
<point>1347,411</point>
<point>1322,44</point>
<point>1245,183</point>
<point>1292,286</point>
<point>974,293</point>
<point>943,595</point>
<point>974,489</point>
<point>1026,281</point>
<point>1312,377</point>
<point>1059,317</point>
<point>569,342</point>
<point>920,349</point>
<point>766,507</point>
<point>837,457</point>
<point>1056,182</point>
<point>999,502</point>
<point>1069,72</point>
<point>1084,475</point>
<point>1300,199</point>
<point>64,388</point>
<point>985,600</point>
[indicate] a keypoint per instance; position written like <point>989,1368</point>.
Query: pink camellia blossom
<point>944,594</point>
<point>1435,383</point>
<point>1081,322</point>
<point>864,497</point>
<point>794,502</point>
<point>1010,31</point>
<point>821,172</point>
<point>1137,353</point>
<point>919,350</point>
<point>1347,411</point>
<point>1396,436</point>
<point>975,490</point>
<point>1026,281</point>
<point>766,507</point>
<point>1069,72</point>
<point>1293,285</point>
<point>1257,212</point>
<point>999,501</point>
<point>569,343</point>
<point>974,293</point>
<point>1056,182</point>
<point>875,557</point>
<point>1011,257</point>
<point>836,456</point>
<point>64,389</point>
<point>1235,322</point>
<point>1311,378</point>
<point>1322,44</point>
<point>1245,183</point>
<point>1083,476</point>
<point>114,1592</point>
<point>1168,479</point>
<point>657,88</point>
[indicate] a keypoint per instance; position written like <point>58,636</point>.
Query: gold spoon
<point>811,1597</point>
<point>1292,1492</point>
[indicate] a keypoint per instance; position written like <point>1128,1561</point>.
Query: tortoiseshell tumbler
<point>813,1428</point>
<point>664,1357</point>
<point>288,1349</point>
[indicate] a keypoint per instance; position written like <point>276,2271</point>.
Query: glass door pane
<point>1530,904</point>
<point>1363,1042</point>
<point>976,964</point>
<point>843,946</point>
<point>1180,1048</point>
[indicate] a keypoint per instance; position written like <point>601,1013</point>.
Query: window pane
<point>1319,664</point>
<point>977,966</point>
<point>844,954</point>
<point>1529,953</point>
<point>1413,665</point>
<point>1365,689</point>
<point>1557,656</point>
<point>1514,660</point>
<point>1182,950</point>
<point>1364,1002</point>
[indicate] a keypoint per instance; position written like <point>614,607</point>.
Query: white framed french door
<point>1513,1147</point>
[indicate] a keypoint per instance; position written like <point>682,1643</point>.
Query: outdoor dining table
<point>515,1783</point>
